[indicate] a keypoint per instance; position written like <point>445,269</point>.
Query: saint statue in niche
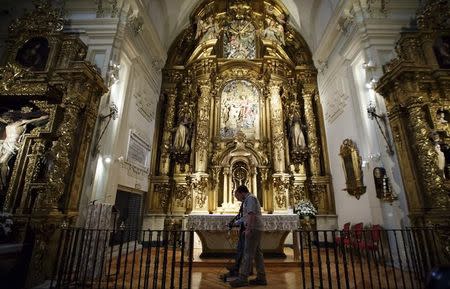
<point>46,162</point>
<point>440,158</point>
<point>14,127</point>
<point>182,132</point>
<point>296,132</point>
<point>440,116</point>
<point>438,147</point>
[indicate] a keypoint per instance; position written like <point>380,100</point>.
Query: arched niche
<point>240,156</point>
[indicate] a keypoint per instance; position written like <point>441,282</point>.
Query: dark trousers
<point>239,252</point>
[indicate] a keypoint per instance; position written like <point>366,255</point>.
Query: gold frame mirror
<point>352,163</point>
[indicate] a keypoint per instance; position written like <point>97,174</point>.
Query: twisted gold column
<point>171,94</point>
<point>202,134</point>
<point>426,155</point>
<point>313,143</point>
<point>277,127</point>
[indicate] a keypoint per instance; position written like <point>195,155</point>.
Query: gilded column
<point>91,113</point>
<point>280,189</point>
<point>214,194</point>
<point>211,118</point>
<point>263,117</point>
<point>202,132</point>
<point>216,116</point>
<point>427,46</point>
<point>171,94</point>
<point>255,181</point>
<point>426,155</point>
<point>277,127</point>
<point>313,143</point>
<point>63,147</point>
<point>226,172</point>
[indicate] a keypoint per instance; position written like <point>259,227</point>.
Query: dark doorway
<point>129,207</point>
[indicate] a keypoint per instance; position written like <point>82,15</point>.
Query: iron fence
<point>366,258</point>
<point>373,258</point>
<point>157,259</point>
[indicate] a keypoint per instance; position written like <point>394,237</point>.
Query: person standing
<point>238,221</point>
<point>251,211</point>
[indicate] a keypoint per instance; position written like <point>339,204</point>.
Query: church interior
<point>127,125</point>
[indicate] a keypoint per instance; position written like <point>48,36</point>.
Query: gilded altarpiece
<point>49,104</point>
<point>416,88</point>
<point>246,80</point>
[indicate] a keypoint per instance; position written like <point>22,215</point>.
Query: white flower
<point>305,208</point>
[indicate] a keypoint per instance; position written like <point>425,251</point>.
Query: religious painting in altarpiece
<point>239,109</point>
<point>239,40</point>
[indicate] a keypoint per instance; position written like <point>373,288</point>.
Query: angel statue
<point>274,31</point>
<point>206,29</point>
<point>12,129</point>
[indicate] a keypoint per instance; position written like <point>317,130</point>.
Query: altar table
<point>217,240</point>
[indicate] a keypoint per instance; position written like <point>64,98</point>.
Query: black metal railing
<point>157,259</point>
<point>375,259</point>
<point>367,258</point>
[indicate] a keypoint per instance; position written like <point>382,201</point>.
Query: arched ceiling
<point>310,17</point>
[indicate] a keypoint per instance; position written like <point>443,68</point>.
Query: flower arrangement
<point>305,208</point>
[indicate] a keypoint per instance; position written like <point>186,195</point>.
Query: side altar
<point>218,240</point>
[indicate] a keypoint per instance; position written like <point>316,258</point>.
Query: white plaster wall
<point>338,92</point>
<point>139,56</point>
<point>135,120</point>
<point>321,21</point>
<point>344,86</point>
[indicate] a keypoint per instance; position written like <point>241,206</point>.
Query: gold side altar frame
<point>416,88</point>
<point>46,178</point>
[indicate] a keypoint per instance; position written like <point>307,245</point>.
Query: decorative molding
<point>145,105</point>
<point>157,64</point>
<point>344,21</point>
<point>134,171</point>
<point>334,106</point>
<point>135,23</point>
<point>322,66</point>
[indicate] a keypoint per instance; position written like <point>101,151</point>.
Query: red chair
<point>372,242</point>
<point>344,239</point>
<point>358,231</point>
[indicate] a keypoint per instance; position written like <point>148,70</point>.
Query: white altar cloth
<point>214,234</point>
<point>271,222</point>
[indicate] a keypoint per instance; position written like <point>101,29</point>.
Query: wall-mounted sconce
<point>113,113</point>
<point>369,65</point>
<point>383,186</point>
<point>107,159</point>
<point>372,114</point>
<point>371,84</point>
<point>374,157</point>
